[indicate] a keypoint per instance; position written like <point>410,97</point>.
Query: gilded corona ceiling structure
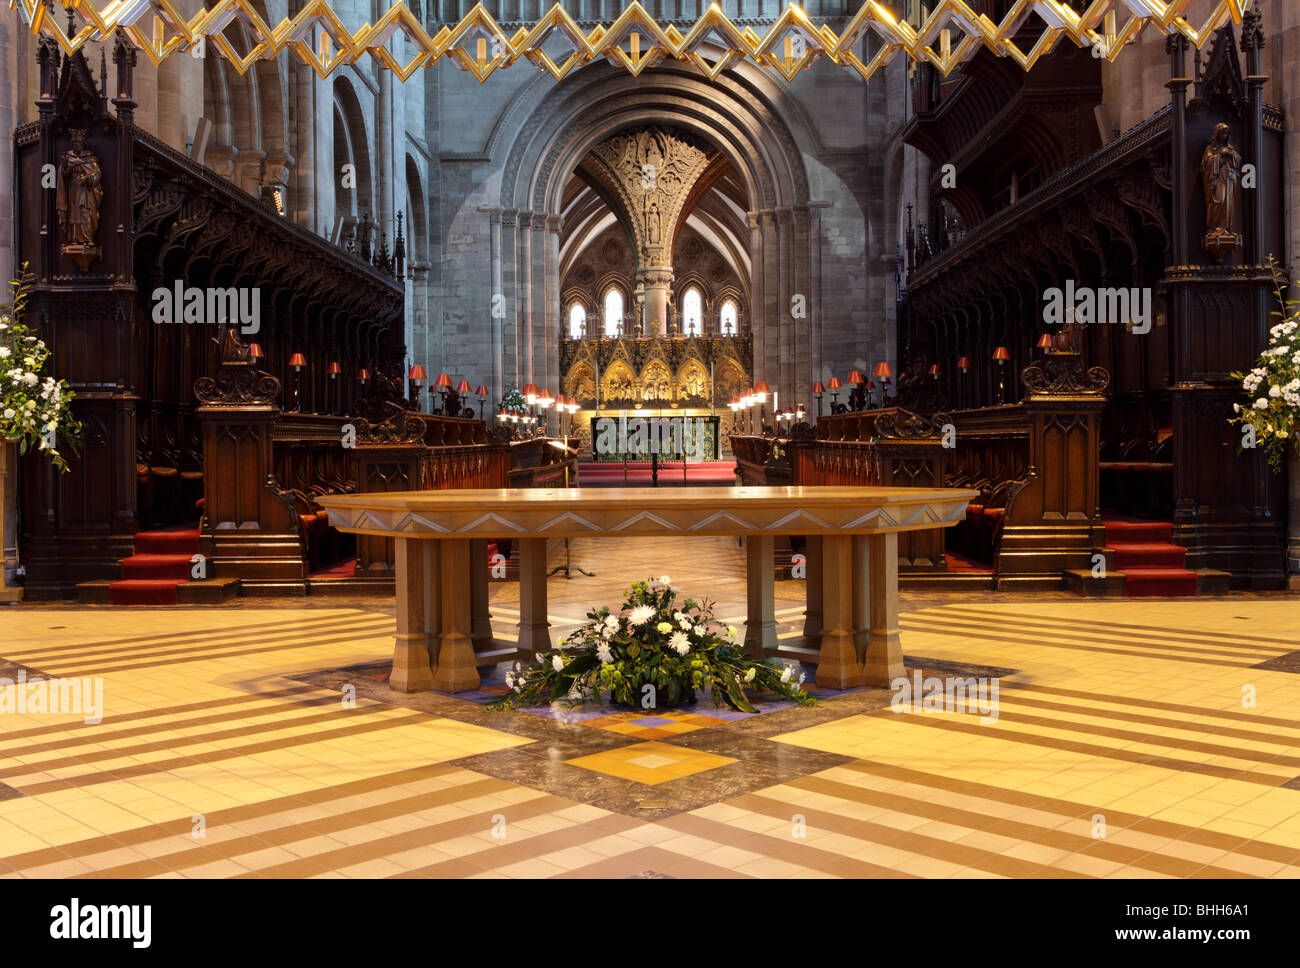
<point>951,34</point>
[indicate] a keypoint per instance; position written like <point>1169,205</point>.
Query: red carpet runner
<point>160,563</point>
<point>1153,563</point>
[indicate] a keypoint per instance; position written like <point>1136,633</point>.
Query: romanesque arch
<point>745,117</point>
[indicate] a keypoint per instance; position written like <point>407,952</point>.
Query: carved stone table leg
<point>884,661</point>
<point>417,576</point>
<point>812,616</point>
<point>453,668</point>
<point>760,595</point>
<point>534,628</point>
<point>837,663</point>
<point>480,617</point>
<point>861,597</point>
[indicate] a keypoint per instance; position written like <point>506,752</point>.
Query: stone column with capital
<point>649,175</point>
<point>657,285</point>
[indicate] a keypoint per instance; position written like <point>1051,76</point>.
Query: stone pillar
<point>658,286</point>
<point>498,320</point>
<point>551,302</point>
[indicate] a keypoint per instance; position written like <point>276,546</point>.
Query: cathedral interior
<point>363,357</point>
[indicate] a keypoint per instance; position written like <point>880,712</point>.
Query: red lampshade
<point>934,370</point>
<point>963,364</point>
<point>883,372</point>
<point>530,392</point>
<point>333,369</point>
<point>298,360</point>
<point>363,374</point>
<point>1044,341</point>
<point>482,391</point>
<point>443,380</point>
<point>834,383</point>
<point>855,378</point>
<point>255,351</point>
<point>462,387</point>
<point>735,401</point>
<point>418,374</point>
<point>818,388</point>
<point>1000,354</point>
<point>761,387</point>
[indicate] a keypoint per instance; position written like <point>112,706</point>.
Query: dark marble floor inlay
<point>1290,662</point>
<point>544,764</point>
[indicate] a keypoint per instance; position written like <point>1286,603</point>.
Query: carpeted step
<point>156,568</point>
<point>178,542</point>
<point>1165,582</point>
<point>1134,531</point>
<point>162,561</point>
<point>1147,554</point>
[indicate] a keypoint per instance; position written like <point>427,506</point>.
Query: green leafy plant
<point>651,641</point>
<point>35,409</point>
<point>513,401</point>
<point>1273,409</point>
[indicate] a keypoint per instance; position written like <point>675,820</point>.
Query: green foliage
<point>1273,408</point>
<point>651,641</point>
<point>513,401</point>
<point>35,412</point>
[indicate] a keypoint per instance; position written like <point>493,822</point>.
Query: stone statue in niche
<point>1220,169</point>
<point>654,230</point>
<point>79,194</point>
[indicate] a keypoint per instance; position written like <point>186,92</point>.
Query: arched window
<point>692,312</point>
<point>727,319</point>
<point>577,321</point>
<point>613,311</point>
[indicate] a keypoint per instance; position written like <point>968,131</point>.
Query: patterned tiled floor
<point>1136,739</point>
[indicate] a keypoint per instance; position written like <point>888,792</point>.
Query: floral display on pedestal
<point>652,653</point>
<point>35,409</point>
<point>1271,418</point>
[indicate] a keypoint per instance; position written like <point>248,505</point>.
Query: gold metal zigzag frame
<point>949,36</point>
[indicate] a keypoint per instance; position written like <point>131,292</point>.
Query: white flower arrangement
<point>32,418</point>
<point>1273,414</point>
<point>621,653</point>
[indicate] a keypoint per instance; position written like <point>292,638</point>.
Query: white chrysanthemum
<point>9,413</point>
<point>611,622</point>
<point>1261,403</point>
<point>604,653</point>
<point>4,352</point>
<point>640,615</point>
<point>680,643</point>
